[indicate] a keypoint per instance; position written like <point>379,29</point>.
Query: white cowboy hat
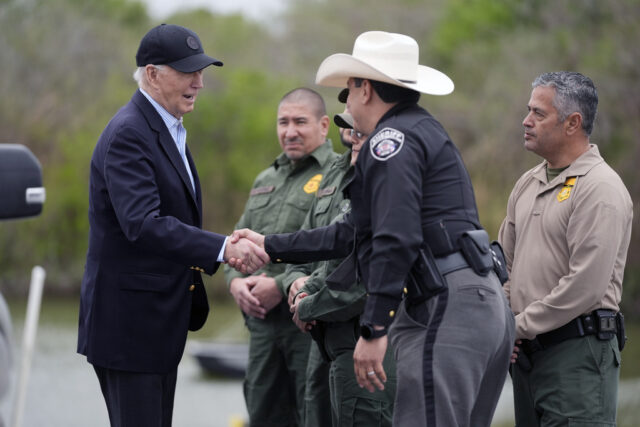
<point>385,57</point>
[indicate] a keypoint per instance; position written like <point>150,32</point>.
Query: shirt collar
<point>580,166</point>
<point>397,108</point>
<point>169,120</point>
<point>322,154</point>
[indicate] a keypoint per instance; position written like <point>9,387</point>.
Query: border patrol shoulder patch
<point>386,144</point>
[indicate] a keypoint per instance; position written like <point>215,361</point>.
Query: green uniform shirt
<point>280,198</point>
<point>329,206</point>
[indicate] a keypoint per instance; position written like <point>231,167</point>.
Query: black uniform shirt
<point>410,183</point>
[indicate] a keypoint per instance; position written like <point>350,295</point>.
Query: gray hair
<point>141,78</point>
<point>575,93</point>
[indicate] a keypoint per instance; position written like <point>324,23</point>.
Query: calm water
<point>63,390</point>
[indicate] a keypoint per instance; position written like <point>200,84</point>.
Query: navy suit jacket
<point>146,247</point>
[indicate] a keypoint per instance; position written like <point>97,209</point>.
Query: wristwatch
<point>368,332</point>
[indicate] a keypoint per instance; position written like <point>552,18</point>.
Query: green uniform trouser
<point>317,403</point>
<point>275,379</point>
<point>351,405</point>
<point>572,383</point>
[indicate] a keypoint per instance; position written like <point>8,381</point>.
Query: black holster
<point>620,331</point>
<point>318,332</point>
<point>499,262</point>
<point>424,280</point>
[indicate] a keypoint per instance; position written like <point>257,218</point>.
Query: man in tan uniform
<point>565,238</point>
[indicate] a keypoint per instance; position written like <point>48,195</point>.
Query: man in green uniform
<point>278,202</point>
<point>333,316</point>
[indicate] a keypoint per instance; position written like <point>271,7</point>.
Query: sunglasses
<point>356,134</point>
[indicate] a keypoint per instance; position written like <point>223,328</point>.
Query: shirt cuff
<point>221,254</point>
<point>380,310</point>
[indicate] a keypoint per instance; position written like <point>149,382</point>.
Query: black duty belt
<point>452,262</point>
<point>599,322</point>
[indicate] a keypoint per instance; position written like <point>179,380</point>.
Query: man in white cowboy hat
<point>419,248</point>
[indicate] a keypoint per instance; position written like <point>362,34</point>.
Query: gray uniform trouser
<point>451,367</point>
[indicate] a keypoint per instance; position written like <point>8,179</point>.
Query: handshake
<point>245,251</point>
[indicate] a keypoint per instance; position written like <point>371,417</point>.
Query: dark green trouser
<point>317,403</point>
<point>352,406</point>
<point>275,379</point>
<point>572,383</point>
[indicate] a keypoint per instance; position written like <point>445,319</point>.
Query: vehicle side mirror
<point>21,191</point>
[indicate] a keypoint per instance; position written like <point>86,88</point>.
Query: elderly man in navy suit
<point>142,286</point>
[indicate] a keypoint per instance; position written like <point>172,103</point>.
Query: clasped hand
<point>244,253</point>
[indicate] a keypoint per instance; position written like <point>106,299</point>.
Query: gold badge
<point>566,189</point>
<point>313,184</point>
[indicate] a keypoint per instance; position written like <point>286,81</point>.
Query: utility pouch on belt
<point>424,280</point>
<point>620,332</point>
<point>475,248</point>
<point>606,324</point>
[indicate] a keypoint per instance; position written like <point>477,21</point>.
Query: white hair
<point>140,76</point>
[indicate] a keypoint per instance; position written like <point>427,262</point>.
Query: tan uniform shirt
<point>566,243</point>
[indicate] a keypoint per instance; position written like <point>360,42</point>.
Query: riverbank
<point>63,390</point>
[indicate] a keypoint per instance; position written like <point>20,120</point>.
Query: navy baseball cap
<point>175,46</point>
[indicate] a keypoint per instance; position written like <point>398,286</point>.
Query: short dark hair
<point>391,93</point>
<point>574,93</point>
<point>304,95</point>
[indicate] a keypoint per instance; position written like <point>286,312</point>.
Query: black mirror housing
<point>21,191</point>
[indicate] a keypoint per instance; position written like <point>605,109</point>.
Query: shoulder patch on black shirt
<point>386,144</point>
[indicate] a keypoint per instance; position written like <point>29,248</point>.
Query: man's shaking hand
<point>244,255</point>
<point>249,236</point>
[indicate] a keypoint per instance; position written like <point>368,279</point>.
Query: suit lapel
<point>168,145</point>
<point>196,184</point>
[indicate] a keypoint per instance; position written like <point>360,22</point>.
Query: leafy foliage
<point>67,69</point>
